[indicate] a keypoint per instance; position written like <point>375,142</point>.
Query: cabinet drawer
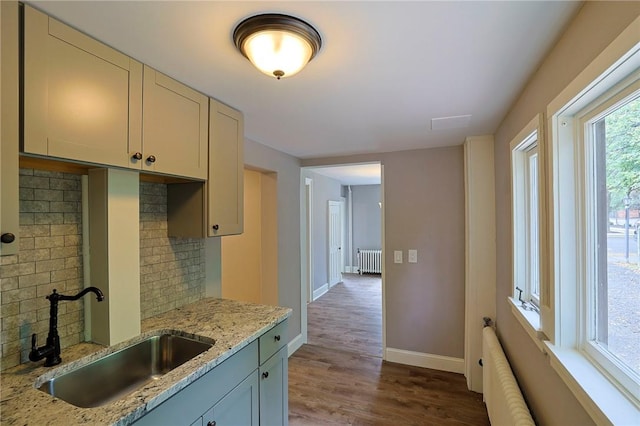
<point>272,341</point>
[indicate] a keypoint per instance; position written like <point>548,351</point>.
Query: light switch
<point>397,256</point>
<point>413,256</point>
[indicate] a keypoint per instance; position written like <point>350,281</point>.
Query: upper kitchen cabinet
<point>82,99</point>
<point>226,171</point>
<point>9,127</point>
<point>175,127</point>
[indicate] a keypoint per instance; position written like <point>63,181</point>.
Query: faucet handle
<point>34,342</point>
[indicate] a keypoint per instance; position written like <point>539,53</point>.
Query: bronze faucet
<point>51,350</point>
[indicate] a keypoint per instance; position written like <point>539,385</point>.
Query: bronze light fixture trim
<point>277,44</point>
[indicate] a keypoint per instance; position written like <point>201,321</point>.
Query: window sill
<point>530,321</point>
<point>603,401</point>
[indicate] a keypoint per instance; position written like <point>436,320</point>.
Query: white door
<point>335,237</point>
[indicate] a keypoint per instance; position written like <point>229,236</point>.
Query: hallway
<point>349,316</point>
<point>339,376</point>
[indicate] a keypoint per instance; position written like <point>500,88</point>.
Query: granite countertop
<point>233,325</point>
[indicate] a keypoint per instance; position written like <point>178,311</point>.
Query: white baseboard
<point>295,344</point>
<point>419,359</point>
<point>320,291</point>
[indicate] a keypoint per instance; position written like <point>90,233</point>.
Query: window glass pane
<point>617,195</point>
<point>534,253</point>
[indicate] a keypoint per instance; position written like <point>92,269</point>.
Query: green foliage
<point>623,154</point>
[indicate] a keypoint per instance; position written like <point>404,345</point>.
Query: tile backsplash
<point>172,270</point>
<point>50,256</point>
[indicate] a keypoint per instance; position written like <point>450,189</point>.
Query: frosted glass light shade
<point>278,45</point>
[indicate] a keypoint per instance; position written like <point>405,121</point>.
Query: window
<point>594,190</point>
<point>526,212</point>
<point>609,138</point>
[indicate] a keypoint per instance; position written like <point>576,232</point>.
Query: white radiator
<point>369,261</point>
<point>505,404</point>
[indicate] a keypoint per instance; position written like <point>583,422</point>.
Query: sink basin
<point>120,373</point>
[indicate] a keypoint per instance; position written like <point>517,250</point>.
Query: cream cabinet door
<point>82,99</point>
<point>226,171</point>
<point>9,127</point>
<point>175,127</point>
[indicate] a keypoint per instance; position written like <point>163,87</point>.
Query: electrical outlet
<point>413,256</point>
<point>397,256</point>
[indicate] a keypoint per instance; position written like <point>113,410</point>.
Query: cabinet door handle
<point>211,423</point>
<point>8,238</point>
<point>137,156</point>
<point>216,227</point>
<point>265,375</point>
<point>151,159</point>
<point>277,338</point>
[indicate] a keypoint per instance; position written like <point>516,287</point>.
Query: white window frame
<point>604,398</point>
<point>626,378</point>
<point>529,141</point>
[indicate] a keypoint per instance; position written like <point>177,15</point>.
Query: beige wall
<point>424,210</point>
<point>287,169</point>
<point>593,28</point>
<point>249,260</point>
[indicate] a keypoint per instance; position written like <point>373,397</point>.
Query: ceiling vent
<point>455,122</point>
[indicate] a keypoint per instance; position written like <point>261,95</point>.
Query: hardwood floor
<point>349,316</point>
<point>340,378</point>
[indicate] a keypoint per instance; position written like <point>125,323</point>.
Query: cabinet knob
<point>265,374</point>
<point>151,159</point>
<point>277,338</point>
<point>216,227</point>
<point>8,238</point>
<point>137,156</point>
<point>211,423</point>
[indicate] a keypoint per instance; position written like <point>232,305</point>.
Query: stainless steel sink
<point>120,373</point>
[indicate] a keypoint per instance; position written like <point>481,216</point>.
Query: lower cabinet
<point>274,406</point>
<point>249,388</point>
<point>238,407</point>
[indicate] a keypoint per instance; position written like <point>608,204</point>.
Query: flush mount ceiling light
<point>278,45</point>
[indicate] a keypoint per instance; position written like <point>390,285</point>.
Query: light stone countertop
<point>233,325</point>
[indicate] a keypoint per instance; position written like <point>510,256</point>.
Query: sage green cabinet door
<point>274,388</point>
<point>9,127</point>
<point>226,171</point>
<point>238,407</point>
<point>175,127</point>
<point>82,99</point>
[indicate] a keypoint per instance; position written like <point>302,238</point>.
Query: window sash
<point>593,286</point>
<point>532,286</point>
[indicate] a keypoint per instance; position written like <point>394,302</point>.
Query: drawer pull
<point>277,338</point>
<point>265,375</point>
<point>211,423</point>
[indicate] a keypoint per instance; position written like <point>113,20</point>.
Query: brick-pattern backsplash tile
<point>171,269</point>
<point>50,256</point>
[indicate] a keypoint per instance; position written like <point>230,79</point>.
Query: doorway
<point>329,258</point>
<point>250,260</point>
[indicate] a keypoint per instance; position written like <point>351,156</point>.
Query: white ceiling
<point>385,70</point>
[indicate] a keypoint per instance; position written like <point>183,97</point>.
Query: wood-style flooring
<point>349,316</point>
<point>339,377</point>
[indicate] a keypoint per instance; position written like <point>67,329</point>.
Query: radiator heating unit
<point>369,261</point>
<point>503,398</point>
